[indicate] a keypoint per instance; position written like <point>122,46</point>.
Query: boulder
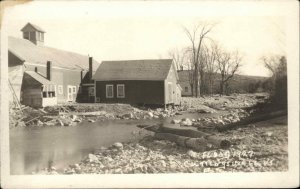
<point>91,120</point>
<point>186,122</point>
<point>150,114</point>
<point>127,116</point>
<point>92,158</point>
<point>39,123</point>
<point>74,117</point>
<point>118,145</point>
<point>192,154</point>
<point>175,121</point>
<point>20,124</point>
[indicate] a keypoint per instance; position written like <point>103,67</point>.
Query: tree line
<point>205,57</point>
<point>208,62</point>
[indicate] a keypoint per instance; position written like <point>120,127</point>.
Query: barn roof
<point>32,53</point>
<point>39,78</point>
<point>34,26</point>
<point>155,69</point>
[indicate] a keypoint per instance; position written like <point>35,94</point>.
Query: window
<point>60,89</point>
<point>32,35</point>
<point>91,91</point>
<point>45,94</point>
<point>26,35</point>
<point>74,89</point>
<point>186,89</point>
<point>120,91</point>
<point>109,91</point>
<point>42,36</point>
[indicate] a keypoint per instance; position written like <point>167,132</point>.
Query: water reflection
<point>32,150</point>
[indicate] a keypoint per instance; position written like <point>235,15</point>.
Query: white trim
<point>34,64</point>
<point>123,91</point>
<point>60,89</point>
<point>69,93</point>
<point>88,84</point>
<point>111,91</point>
<point>74,91</point>
<point>170,84</point>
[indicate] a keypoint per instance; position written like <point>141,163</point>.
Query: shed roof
<point>34,26</point>
<point>32,53</point>
<point>39,78</point>
<point>152,69</point>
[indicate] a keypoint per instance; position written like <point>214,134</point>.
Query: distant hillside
<point>238,84</point>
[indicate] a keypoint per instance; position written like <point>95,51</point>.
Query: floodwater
<point>33,149</point>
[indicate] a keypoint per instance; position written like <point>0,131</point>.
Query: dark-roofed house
<point>61,74</point>
<point>153,82</point>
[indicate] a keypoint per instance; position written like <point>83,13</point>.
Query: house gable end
<point>30,28</point>
<point>172,74</point>
<point>14,59</point>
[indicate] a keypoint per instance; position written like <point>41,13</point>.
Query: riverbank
<point>256,147</point>
<point>72,114</point>
<point>260,147</point>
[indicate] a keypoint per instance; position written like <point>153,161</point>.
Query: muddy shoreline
<point>259,147</point>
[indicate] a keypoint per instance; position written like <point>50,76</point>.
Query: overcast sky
<point>145,30</point>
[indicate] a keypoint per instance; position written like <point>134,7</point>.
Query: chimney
<point>36,69</point>
<point>49,70</point>
<point>81,75</point>
<point>90,68</point>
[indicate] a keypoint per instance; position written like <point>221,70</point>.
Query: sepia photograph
<point>149,94</point>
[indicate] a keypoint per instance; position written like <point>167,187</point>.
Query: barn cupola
<point>33,33</point>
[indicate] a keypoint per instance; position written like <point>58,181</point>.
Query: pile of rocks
<point>149,114</point>
<point>70,115</point>
<point>255,149</point>
<point>233,116</point>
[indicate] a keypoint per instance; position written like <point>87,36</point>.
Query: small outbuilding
<point>145,82</point>
<point>37,90</point>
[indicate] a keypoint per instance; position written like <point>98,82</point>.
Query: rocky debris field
<point>72,114</point>
<point>255,147</point>
<point>231,116</point>
<point>259,147</point>
<point>216,102</point>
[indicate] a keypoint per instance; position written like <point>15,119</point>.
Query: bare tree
<point>209,56</point>
<point>196,37</point>
<point>228,64</point>
<point>190,68</point>
<point>178,57</point>
<point>271,62</point>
